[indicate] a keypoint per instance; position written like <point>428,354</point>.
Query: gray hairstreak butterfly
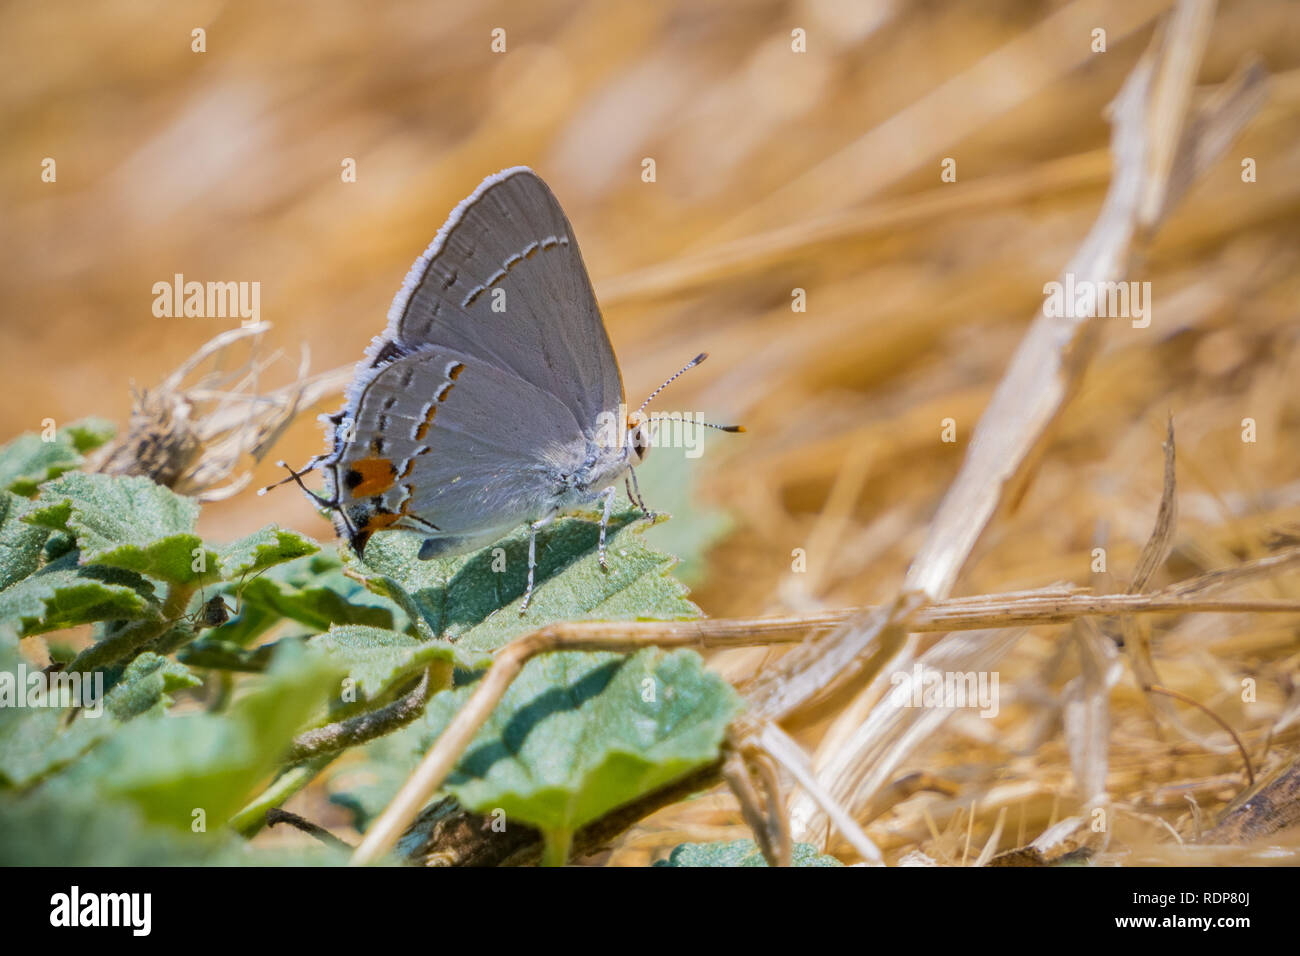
<point>486,404</point>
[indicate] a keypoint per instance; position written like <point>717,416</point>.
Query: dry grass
<point>775,171</point>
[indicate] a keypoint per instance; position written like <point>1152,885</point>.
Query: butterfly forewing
<point>504,282</point>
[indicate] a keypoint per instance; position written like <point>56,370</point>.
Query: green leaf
<point>130,523</point>
<point>377,660</point>
<point>65,594</point>
<point>575,735</point>
<point>173,767</point>
<point>20,543</point>
<point>741,853</point>
<point>145,685</point>
<point>34,741</point>
<point>28,460</point>
<point>226,656</point>
<point>464,600</point>
<point>81,829</point>
<point>57,545</point>
<point>87,434</point>
<point>312,591</point>
<point>263,549</point>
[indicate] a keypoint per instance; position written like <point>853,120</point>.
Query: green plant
<point>234,675</point>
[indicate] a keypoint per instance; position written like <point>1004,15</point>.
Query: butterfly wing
<point>453,447</point>
<point>504,282</point>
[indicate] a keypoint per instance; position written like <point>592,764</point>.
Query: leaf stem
<point>342,734</point>
<point>555,847</point>
<point>252,817</point>
<point>128,641</point>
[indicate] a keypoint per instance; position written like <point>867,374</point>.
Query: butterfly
<point>493,399</point>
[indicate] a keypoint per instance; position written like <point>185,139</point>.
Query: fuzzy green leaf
<point>264,549</point>
<point>465,600</point>
<point>32,738</point>
<point>130,523</point>
<point>87,434</point>
<point>145,685</point>
<point>20,543</point>
<point>28,460</point>
<point>35,741</point>
<point>70,829</point>
<point>376,660</point>
<point>312,591</point>
<point>575,735</point>
<point>741,853</point>
<point>573,738</point>
<point>173,767</point>
<point>65,594</point>
<point>45,828</point>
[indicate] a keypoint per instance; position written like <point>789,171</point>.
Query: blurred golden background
<point>775,170</point>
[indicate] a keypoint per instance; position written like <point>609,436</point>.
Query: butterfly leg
<point>608,495</point>
<point>634,494</point>
<point>533,528</point>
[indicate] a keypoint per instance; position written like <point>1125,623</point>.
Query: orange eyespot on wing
<point>379,520</point>
<point>374,521</point>
<point>369,476</point>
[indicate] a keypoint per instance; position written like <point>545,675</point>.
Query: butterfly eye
<point>641,441</point>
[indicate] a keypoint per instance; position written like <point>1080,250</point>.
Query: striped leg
<point>608,494</point>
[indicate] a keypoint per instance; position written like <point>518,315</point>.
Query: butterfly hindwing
<point>421,458</point>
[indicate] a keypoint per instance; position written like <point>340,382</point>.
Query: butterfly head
<point>639,437</point>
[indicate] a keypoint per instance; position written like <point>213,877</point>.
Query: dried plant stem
<point>1262,810</point>
<point>275,815</point>
<point>1047,368</point>
<point>787,752</point>
<point>736,772</point>
<point>1178,695</point>
<point>440,759</point>
<point>1049,606</point>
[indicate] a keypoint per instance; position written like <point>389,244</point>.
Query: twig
<point>1047,368</point>
<point>1177,695</point>
<point>1050,606</point>
<point>1272,805</point>
<point>276,815</point>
